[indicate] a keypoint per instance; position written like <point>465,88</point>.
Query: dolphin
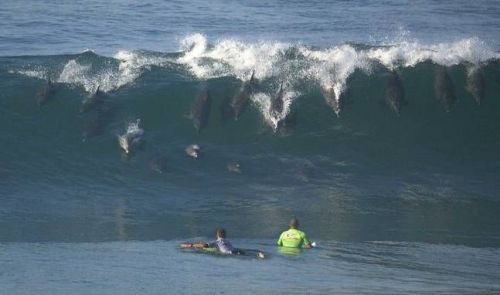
<point>234,167</point>
<point>240,100</point>
<point>131,139</point>
<point>193,150</point>
<point>200,110</point>
<point>395,95</point>
<point>93,127</point>
<point>225,109</point>
<point>45,93</point>
<point>475,84</point>
<point>443,87</point>
<point>277,102</point>
<point>289,124</point>
<point>158,164</point>
<point>97,123</point>
<point>331,100</point>
<point>91,101</point>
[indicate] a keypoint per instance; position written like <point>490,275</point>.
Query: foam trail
<point>35,73</point>
<point>332,67</point>
<point>263,102</point>
<point>475,83</point>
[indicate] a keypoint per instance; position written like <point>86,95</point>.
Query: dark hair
<point>293,223</point>
<point>221,232</point>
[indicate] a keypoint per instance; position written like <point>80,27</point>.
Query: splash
<point>35,73</point>
<point>89,76</point>
<point>132,137</point>
<point>409,54</point>
<point>330,67</point>
<point>271,117</point>
<point>132,65</point>
<point>230,57</point>
<point>109,76</point>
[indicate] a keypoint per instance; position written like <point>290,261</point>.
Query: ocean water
<point>376,123</point>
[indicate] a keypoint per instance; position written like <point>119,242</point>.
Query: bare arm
<point>307,243</point>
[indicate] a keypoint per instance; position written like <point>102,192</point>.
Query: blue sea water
<point>385,145</point>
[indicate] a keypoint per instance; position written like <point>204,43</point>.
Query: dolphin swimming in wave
<point>240,100</point>
<point>45,93</point>
<point>475,84</point>
<point>443,87</point>
<point>200,110</point>
<point>395,95</point>
<point>91,101</point>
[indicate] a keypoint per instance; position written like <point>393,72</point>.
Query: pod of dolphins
<point>101,113</point>
<point>443,88</point>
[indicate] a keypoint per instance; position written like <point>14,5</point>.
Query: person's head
<point>220,233</point>
<point>293,223</point>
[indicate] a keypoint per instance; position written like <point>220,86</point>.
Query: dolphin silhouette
<point>443,87</point>
<point>395,95</point>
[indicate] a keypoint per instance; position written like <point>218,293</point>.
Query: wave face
<point>354,130</point>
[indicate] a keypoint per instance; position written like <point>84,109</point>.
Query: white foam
<point>77,74</point>
<point>109,78</point>
<point>34,73</point>
<point>229,57</point>
<point>330,67</point>
<point>133,63</point>
<point>409,54</point>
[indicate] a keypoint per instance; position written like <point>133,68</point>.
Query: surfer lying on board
<point>221,244</point>
<point>293,237</point>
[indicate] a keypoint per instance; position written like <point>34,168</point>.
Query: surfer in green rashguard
<point>293,237</point>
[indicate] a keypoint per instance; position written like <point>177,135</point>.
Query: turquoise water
<point>400,194</point>
<point>158,267</point>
